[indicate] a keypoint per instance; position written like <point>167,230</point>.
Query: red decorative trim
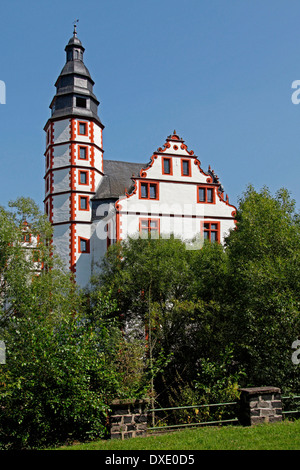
<point>184,147</point>
<point>72,247</point>
<point>72,244</point>
<point>92,163</point>
<point>51,174</point>
<point>73,129</point>
<point>166,146</point>
<point>91,131</point>
<point>143,173</point>
<point>118,224</point>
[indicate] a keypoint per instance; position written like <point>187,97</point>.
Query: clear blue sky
<point>217,71</point>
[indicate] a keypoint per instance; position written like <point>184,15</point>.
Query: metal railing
<point>200,423</point>
<point>290,412</point>
<point>158,423</point>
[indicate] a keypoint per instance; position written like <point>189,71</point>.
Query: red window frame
<point>148,184</point>
<point>189,167</point>
<point>86,127</point>
<point>171,165</point>
<point>27,237</point>
<point>145,223</point>
<point>87,242</point>
<point>208,227</point>
<point>86,152</point>
<point>87,203</point>
<point>206,188</point>
<point>86,173</point>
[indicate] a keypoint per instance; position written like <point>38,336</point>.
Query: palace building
<point>92,202</point>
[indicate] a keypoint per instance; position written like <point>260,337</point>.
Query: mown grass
<point>275,436</point>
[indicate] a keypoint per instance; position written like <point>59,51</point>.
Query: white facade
<point>187,205</point>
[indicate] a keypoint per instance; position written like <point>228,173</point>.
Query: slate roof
<point>117,177</point>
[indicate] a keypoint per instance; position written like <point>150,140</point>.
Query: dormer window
<point>80,102</point>
<point>74,54</point>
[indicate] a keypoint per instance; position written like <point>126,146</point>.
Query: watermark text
<point>2,92</point>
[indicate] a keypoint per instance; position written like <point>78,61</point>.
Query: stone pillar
<point>128,418</point>
<point>260,405</point>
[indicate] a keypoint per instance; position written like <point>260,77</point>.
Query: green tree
<point>60,372</point>
<point>171,295</point>
<point>262,295</point>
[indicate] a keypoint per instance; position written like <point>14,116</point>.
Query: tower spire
<point>75,28</point>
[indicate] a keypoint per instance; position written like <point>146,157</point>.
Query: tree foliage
<point>263,286</point>
<point>61,362</point>
<point>190,326</point>
<point>199,302</point>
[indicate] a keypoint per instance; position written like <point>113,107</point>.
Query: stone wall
<point>128,418</point>
<point>260,405</point>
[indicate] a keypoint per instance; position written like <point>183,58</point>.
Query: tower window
<point>83,177</point>
<point>84,245</point>
<point>82,128</point>
<point>83,153</point>
<point>80,102</point>
<point>83,203</point>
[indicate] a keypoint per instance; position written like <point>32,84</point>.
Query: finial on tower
<point>75,30</point>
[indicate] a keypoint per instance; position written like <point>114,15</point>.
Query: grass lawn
<point>276,436</point>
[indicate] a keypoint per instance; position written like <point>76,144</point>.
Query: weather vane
<point>75,26</point>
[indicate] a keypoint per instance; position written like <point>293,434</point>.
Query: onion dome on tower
<point>74,86</point>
